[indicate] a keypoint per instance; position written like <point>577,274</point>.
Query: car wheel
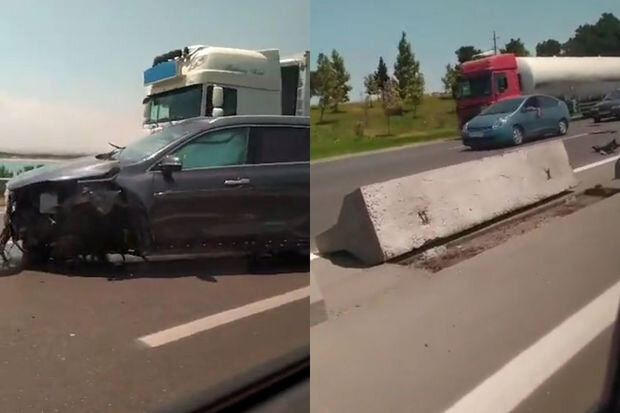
<point>36,255</point>
<point>517,135</point>
<point>562,127</point>
<point>597,120</point>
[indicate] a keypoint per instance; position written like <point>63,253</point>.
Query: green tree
<point>370,84</point>
<point>407,72</point>
<point>381,75</point>
<point>323,81</point>
<point>516,47</point>
<point>340,92</point>
<point>466,53</point>
<point>599,39</point>
<point>391,101</point>
<point>549,47</point>
<point>450,79</point>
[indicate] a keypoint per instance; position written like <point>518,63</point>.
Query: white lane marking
<point>207,323</point>
<point>516,380</point>
<point>579,135</point>
<point>595,164</point>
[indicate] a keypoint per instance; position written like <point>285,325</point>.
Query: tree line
<point>330,81</point>
<point>599,39</point>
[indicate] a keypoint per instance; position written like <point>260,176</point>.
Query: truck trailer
<point>490,79</point>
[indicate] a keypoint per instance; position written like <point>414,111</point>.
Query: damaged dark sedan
<point>236,183</point>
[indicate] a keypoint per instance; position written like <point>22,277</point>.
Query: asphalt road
<point>482,331</point>
<point>332,180</point>
<point>70,334</point>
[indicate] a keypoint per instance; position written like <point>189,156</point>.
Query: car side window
<point>218,148</point>
<point>531,103</point>
<point>548,102</point>
<point>275,144</point>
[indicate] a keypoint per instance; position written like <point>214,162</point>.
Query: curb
<point>383,150</point>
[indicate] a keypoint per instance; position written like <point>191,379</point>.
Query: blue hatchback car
<point>515,120</point>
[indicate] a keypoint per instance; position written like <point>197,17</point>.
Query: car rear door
<point>209,203</point>
<point>552,113</point>
<point>281,158</point>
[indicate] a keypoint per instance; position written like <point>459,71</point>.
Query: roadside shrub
<point>358,129</point>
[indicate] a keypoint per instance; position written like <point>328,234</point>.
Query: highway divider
<point>385,220</point>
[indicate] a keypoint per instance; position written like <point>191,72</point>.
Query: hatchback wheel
<point>562,127</point>
<point>517,135</point>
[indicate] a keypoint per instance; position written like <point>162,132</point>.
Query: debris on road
<point>608,148</point>
<point>443,256</point>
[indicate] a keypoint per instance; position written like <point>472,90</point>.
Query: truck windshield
<point>173,105</point>
<point>505,106</point>
<point>475,86</point>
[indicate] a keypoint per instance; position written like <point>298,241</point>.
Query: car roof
<point>208,122</point>
<point>538,95</point>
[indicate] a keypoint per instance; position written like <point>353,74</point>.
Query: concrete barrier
<point>381,221</point>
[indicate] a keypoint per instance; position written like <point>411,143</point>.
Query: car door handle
<point>234,182</point>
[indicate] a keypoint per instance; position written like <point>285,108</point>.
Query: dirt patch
<point>458,250</point>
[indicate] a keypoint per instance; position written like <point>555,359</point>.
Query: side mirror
<point>217,112</point>
<point>170,164</point>
<point>218,97</point>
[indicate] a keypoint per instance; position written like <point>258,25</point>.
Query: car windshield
<point>174,105</point>
<point>505,106</point>
<point>147,145</point>
<point>615,95</point>
<point>475,86</point>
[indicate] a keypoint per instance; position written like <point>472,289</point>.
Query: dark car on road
<point>609,107</point>
<point>206,184</point>
<point>516,120</point>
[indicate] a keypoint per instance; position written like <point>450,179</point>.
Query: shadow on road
<point>344,259</point>
<point>206,269</point>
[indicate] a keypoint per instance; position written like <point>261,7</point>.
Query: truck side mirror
<point>218,96</point>
<point>217,112</point>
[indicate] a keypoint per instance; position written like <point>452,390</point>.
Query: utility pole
<point>494,43</point>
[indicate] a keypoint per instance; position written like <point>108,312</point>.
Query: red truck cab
<point>485,81</point>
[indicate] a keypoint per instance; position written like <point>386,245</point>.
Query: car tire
<point>597,120</point>
<point>517,135</point>
<point>36,255</point>
<point>562,127</point>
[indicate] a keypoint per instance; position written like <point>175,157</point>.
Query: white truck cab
<point>217,81</point>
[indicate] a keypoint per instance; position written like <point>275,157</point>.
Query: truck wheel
<point>517,135</point>
<point>562,127</point>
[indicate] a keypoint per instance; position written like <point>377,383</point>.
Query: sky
<point>363,30</point>
<point>71,70</point>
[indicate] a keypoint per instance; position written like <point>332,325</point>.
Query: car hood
<point>485,121</point>
<point>80,168</point>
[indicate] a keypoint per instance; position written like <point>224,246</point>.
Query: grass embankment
<point>341,133</point>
